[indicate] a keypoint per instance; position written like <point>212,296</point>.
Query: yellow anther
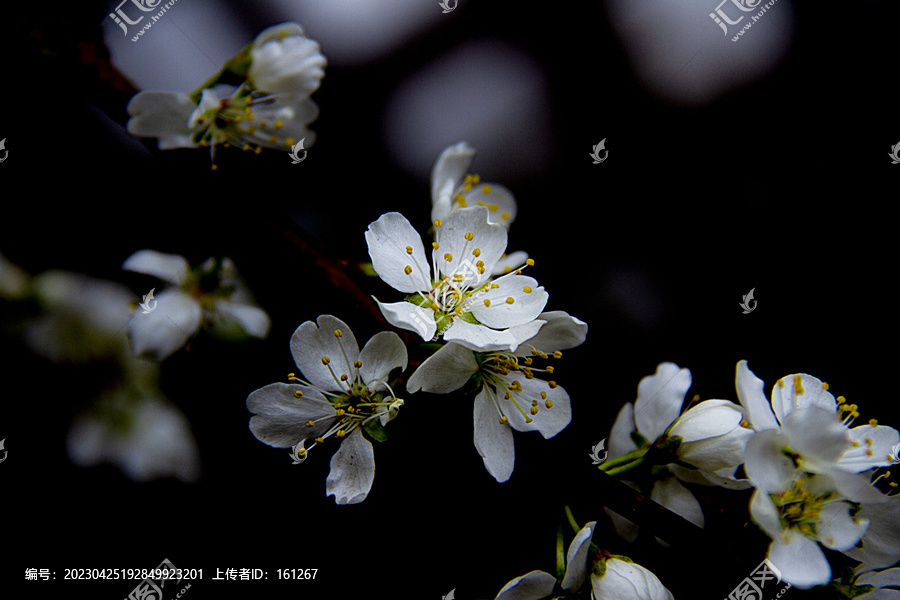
<point>873,422</point>
<point>476,179</point>
<point>507,269</point>
<point>448,257</point>
<point>467,186</point>
<point>298,394</point>
<point>338,405</point>
<point>476,252</point>
<point>781,383</point>
<point>339,412</point>
<point>486,189</point>
<point>258,149</point>
<point>247,110</point>
<point>273,139</point>
<point>549,403</point>
<point>868,441</point>
<point>479,263</point>
<point>505,216</point>
<point>534,410</point>
<point>288,142</point>
<point>438,223</point>
<point>869,452</point>
<point>552,384</point>
<point>357,364</point>
<point>855,444</point>
<point>550,370</point>
<point>798,384</point>
<point>343,377</point>
<point>409,249</point>
<point>557,355</point>
<point>435,307</point>
<point>824,386</point>
<point>470,236</point>
<point>320,440</point>
<point>893,484</point>
<point>510,300</point>
<point>745,424</point>
<point>338,333</point>
<point>503,420</point>
<point>526,289</point>
<point>529,420</point>
<point>340,433</point>
<point>310,424</point>
<point>528,361</point>
<point>279,124</point>
<point>435,245</point>
<point>487,302</point>
<point>215,167</point>
<point>291,377</point>
<point>407,269</point>
<point>543,395</point>
<point>325,360</point>
<point>461,198</point>
<point>301,452</point>
<point>262,123</point>
<point>495,286</point>
<point>840,399</point>
<point>530,262</point>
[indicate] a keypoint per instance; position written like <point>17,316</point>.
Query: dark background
<point>654,249</point>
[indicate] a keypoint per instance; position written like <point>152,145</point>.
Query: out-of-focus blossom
<point>345,393</point>
<point>144,436</point>
<point>452,296</point>
<point>510,395</point>
<point>14,281</point>
<point>270,108</point>
<point>211,295</point>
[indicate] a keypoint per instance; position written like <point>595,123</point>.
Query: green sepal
<point>469,318</point>
<point>418,300</point>
<point>367,269</point>
<point>376,430</point>
<point>234,72</point>
<point>639,440</point>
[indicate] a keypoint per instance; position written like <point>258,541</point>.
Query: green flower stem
<point>560,555</point>
<point>634,464</point>
<point>572,522</point>
<point>609,465</point>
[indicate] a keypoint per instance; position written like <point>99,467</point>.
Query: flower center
<point>495,369</point>
<point>798,508</point>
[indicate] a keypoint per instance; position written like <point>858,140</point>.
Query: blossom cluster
<point>482,326</point>
<point>813,474</point>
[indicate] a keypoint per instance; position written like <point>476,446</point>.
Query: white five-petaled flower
<point>709,437</point>
<point>805,464</point>
<point>612,577</point>
<point>452,295</point>
<point>510,396</point>
<point>345,392</point>
<point>211,295</point>
<point>270,109</point>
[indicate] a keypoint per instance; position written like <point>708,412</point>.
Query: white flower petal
<point>560,331</point>
<point>800,560</point>
<point>882,594</point>
<point>818,435</point>
<point>449,171</point>
<point>162,115</point>
<point>277,32</point>
<point>852,486</point>
<point>161,332</point>
<point>485,339</point>
<point>510,262</point>
<point>659,399</point>
<point>751,396</point>
<point>798,392</point>
<point>548,421</point>
<point>864,456</point>
<point>383,353</point>
<point>765,514</point>
<point>253,320</point>
<point>445,371</point>
<point>488,238</point>
<point>312,342</point>
<point>352,470</point>
<point>837,529</point>
<point>406,315</point>
<point>291,65</point>
<point>881,544</point>
<point>707,419</point>
<point>531,586</point>
<point>528,300</point>
<point>722,478</point>
<point>620,442</point>
<point>670,493</point>
<point>493,441</point>
<point>500,202</point>
<point>577,558</point>
<point>388,239</point>
<point>627,530</point>
<point>888,577</point>
<point>279,417</point>
<point>168,267</point>
<point>628,581</point>
<point>765,463</point>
